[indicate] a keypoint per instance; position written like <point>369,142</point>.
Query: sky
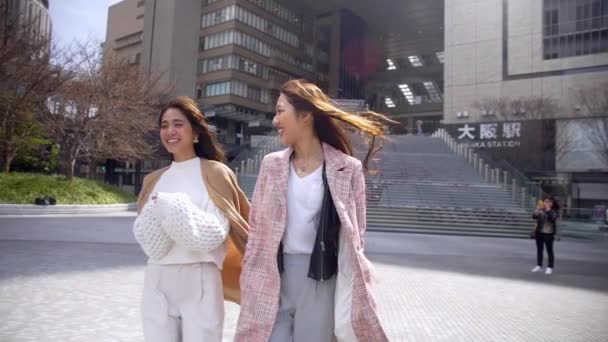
<point>79,19</point>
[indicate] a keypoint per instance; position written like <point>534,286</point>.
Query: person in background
<point>546,215</point>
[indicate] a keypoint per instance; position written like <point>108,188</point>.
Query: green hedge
<point>23,188</point>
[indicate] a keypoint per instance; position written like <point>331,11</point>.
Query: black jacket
<point>324,257</point>
<point>542,216</point>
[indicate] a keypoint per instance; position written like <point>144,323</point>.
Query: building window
<point>251,43</point>
<point>278,10</point>
<point>218,89</point>
<point>238,88</point>
<point>574,28</point>
<point>440,57</point>
<point>416,61</point>
<point>250,67</point>
<point>140,3</point>
<point>141,16</point>
<point>236,12</point>
<point>434,94</point>
<point>235,62</point>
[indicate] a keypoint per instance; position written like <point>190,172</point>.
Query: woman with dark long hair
<point>305,277</point>
<point>191,225</point>
<point>546,215</point>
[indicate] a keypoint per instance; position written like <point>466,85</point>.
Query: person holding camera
<point>546,215</point>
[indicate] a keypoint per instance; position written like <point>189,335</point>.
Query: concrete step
<point>452,225</point>
<point>451,220</point>
<point>441,204</point>
<point>497,202</point>
<point>491,213</point>
<point>449,232</point>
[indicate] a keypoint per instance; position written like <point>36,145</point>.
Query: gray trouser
<point>306,306</point>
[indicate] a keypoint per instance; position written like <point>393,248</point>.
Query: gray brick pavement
<point>430,288</point>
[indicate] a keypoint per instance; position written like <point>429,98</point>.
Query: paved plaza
<point>80,279</point>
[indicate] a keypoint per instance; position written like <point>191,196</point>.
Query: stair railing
<point>523,191</point>
<point>251,165</point>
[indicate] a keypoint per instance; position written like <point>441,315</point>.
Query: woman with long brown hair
<point>305,277</point>
<point>191,225</point>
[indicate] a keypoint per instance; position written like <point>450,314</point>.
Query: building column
<point>411,125</point>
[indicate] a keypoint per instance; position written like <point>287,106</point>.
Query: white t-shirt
<point>304,201</point>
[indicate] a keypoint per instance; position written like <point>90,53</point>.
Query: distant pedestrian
<point>546,215</point>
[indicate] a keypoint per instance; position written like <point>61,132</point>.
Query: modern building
<point>505,75</point>
<point>28,17</point>
<point>233,55</point>
<point>388,53</point>
<point>514,73</point>
<point>519,48</point>
<point>124,33</point>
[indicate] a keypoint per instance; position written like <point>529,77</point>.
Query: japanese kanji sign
<point>490,135</point>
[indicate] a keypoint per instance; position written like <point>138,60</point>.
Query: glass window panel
<point>578,25</point>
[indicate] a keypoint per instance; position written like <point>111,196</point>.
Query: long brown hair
<point>207,146</point>
<point>306,97</point>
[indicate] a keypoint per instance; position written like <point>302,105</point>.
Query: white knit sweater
<point>182,225</point>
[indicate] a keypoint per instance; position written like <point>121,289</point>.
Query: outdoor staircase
<point>420,185</point>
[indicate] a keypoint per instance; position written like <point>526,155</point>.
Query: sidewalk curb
<point>64,209</point>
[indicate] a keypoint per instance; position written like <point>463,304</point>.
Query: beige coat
<point>231,201</point>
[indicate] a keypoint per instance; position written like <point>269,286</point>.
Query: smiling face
<point>177,134</point>
<point>291,125</point>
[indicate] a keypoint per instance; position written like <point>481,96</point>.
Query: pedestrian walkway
<point>429,288</point>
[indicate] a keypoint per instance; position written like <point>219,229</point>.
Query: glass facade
<point>238,13</point>
<point>238,88</point>
<point>574,27</point>
<point>236,62</point>
<point>237,38</point>
<point>251,43</point>
<point>278,10</point>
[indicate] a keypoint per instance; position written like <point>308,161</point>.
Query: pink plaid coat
<point>356,318</point>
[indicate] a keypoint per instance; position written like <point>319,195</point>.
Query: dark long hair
<point>207,146</point>
<point>553,200</point>
<point>306,97</point>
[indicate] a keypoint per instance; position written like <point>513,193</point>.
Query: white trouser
<point>183,303</point>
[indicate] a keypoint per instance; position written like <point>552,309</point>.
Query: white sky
<point>79,19</point>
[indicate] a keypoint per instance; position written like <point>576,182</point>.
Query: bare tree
<point>565,140</point>
<point>530,108</point>
<point>493,107</point>
<point>593,104</point>
<point>28,74</point>
<point>537,108</point>
<point>104,112</point>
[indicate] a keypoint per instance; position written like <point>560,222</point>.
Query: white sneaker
<point>537,268</point>
<point>549,270</point>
